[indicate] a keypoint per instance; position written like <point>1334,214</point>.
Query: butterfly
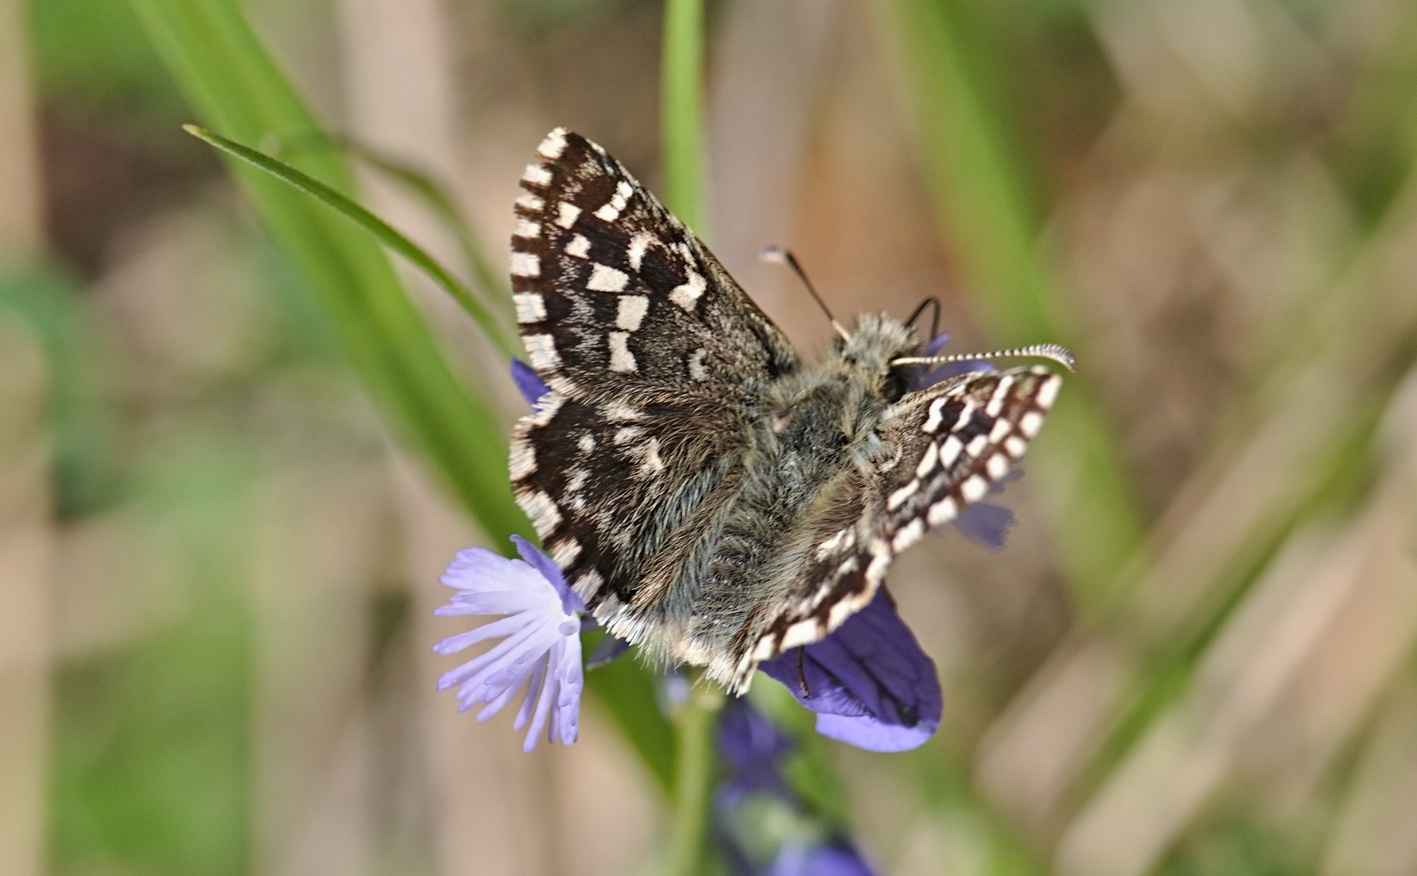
<point>710,497</point>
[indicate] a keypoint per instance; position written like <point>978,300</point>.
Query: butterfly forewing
<point>649,348</point>
<point>940,450</point>
<point>615,297</point>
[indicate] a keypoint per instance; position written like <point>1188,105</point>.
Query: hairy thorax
<point>812,431</point>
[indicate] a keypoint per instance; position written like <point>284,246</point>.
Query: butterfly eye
<point>897,383</point>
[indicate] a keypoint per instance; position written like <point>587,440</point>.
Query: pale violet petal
<point>501,627</point>
<point>538,649</point>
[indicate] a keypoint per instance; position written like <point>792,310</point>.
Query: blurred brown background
<point>217,570</point>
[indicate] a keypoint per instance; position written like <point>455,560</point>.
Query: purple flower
<point>528,382</point>
<point>835,857</point>
<point>751,746</point>
<point>869,682</point>
<point>763,827</point>
<point>541,643</point>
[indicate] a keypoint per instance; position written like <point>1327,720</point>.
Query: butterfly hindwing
<point>659,460</point>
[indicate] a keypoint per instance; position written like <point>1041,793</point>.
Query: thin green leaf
<point>381,230</point>
<point>233,85</point>
<point>492,280</point>
<point>977,186</point>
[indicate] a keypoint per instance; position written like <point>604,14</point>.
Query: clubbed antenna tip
<point>782,256</point>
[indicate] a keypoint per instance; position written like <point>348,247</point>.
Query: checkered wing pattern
<point>616,298</point>
<point>651,351</point>
<point>939,450</point>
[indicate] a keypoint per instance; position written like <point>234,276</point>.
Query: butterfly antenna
<point>1055,352</point>
<point>934,304</point>
<point>783,256</point>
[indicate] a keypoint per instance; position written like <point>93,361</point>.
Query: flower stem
<point>681,110</point>
<point>693,781</point>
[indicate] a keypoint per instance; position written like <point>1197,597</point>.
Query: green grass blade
<point>681,110</point>
<point>490,278</point>
<point>233,85</point>
<point>381,230</point>
<point>976,183</point>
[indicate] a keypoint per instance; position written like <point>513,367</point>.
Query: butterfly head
<point>868,349</point>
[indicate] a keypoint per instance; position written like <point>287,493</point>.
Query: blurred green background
<point>233,462</point>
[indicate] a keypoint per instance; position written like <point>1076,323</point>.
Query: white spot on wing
<point>1030,423</point>
<point>762,651</point>
<point>942,511</point>
<point>801,633</point>
<point>587,584</point>
<point>974,488</point>
<point>525,264</point>
<point>997,466</point>
<point>542,511</point>
<point>578,247</point>
<point>554,144</point>
<point>880,561</point>
<point>567,214</point>
<point>542,349</point>
<point>932,422</point>
<point>639,245</point>
<point>621,359</point>
<point>527,229</point>
<point>619,412</point>
<point>530,203</point>
<point>687,294</point>
<point>908,535</point>
<point>1001,395</point>
<point>949,451</point>
<point>1015,446</point>
<point>610,211</point>
<point>565,552</point>
<point>825,548</point>
<point>841,611</point>
<point>522,460</point>
<point>652,463</point>
<point>604,278</point>
<point>536,175</point>
<point>586,443</point>
<point>928,461</point>
<point>965,416</point>
<point>697,369</point>
<point>631,312</point>
<point>530,307</point>
<point>899,497</point>
<point>546,408</point>
<point>977,446</point>
<point>1001,428</point>
<point>627,434</point>
<point>1048,392</point>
